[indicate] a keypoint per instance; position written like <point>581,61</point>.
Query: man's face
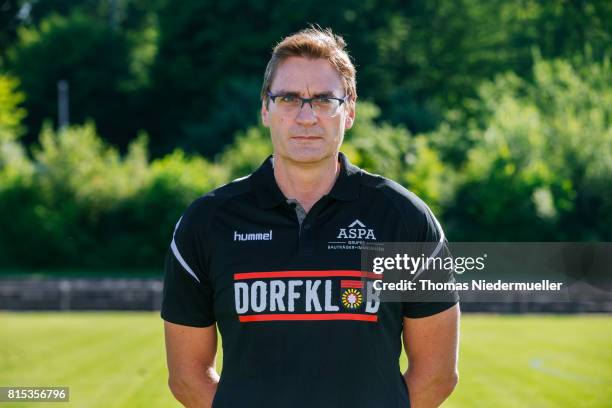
<point>306,136</point>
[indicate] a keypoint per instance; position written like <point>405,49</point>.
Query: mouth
<point>303,137</point>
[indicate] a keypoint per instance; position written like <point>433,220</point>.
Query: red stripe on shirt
<point>309,316</point>
<point>307,274</point>
<point>351,284</point>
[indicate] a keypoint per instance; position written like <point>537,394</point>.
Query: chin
<point>307,156</point>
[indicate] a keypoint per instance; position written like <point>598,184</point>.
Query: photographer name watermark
<point>473,285</point>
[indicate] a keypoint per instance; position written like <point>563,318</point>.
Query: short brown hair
<point>313,42</point>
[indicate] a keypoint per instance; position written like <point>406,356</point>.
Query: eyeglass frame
<point>307,100</point>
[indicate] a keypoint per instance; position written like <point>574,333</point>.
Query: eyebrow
<point>316,95</point>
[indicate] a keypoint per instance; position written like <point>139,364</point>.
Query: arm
<point>191,354</point>
<point>431,345</point>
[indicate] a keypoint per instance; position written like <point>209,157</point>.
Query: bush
<point>14,163</point>
<point>84,205</point>
<point>395,153</point>
<point>541,156</point>
<point>248,152</point>
<point>11,111</point>
<point>140,229</point>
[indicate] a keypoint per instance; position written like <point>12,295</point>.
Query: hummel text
<point>253,236</point>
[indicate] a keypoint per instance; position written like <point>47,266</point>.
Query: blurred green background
<point>497,113</point>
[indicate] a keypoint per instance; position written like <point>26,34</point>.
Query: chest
<point>266,265</point>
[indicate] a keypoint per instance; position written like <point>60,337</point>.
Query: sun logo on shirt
<point>352,298</point>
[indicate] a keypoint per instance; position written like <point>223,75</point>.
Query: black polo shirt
<point>301,326</point>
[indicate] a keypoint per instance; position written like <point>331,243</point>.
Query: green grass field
<point>117,359</point>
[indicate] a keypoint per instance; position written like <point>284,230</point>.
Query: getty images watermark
<point>489,272</point>
<point>421,265</point>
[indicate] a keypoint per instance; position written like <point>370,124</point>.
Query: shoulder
<point>201,211</point>
<point>413,212</point>
<point>397,195</point>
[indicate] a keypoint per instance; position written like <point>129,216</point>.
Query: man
<point>273,262</point>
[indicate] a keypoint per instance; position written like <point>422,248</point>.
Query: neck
<point>306,182</point>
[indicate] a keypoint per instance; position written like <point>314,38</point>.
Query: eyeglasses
<point>321,105</point>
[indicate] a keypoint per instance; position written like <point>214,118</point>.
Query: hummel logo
<point>253,236</point>
<point>356,230</point>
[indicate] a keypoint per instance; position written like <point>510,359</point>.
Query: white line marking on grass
<point>538,365</point>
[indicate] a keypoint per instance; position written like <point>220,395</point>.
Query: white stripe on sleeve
<point>438,247</point>
<point>178,256</point>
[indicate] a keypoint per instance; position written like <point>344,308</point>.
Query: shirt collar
<point>269,195</point>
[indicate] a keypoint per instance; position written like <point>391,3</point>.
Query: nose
<point>306,115</point>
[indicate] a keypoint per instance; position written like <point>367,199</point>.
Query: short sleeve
<point>188,292</point>
<point>434,245</point>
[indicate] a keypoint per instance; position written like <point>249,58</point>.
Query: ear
<point>265,114</point>
<point>350,115</point>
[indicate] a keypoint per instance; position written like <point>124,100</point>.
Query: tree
<point>212,57</point>
<point>91,57</point>
<point>9,21</point>
<point>11,111</point>
<point>15,166</point>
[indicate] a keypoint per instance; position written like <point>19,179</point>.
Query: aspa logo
<point>357,230</point>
